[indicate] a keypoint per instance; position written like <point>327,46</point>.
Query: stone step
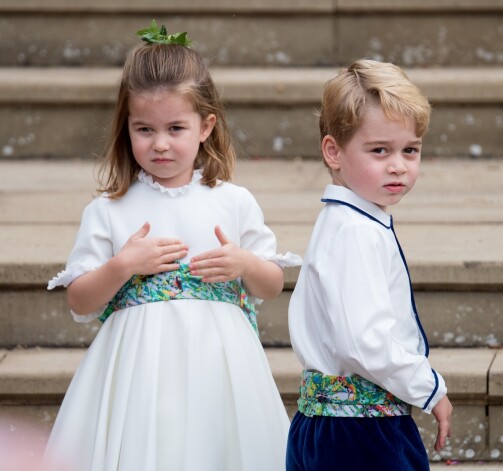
<point>451,228</point>
<point>290,33</point>
<point>33,382</point>
<point>64,112</point>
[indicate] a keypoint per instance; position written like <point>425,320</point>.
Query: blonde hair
<point>370,82</point>
<point>173,68</point>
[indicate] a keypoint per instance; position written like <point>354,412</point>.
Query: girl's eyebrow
<point>170,123</point>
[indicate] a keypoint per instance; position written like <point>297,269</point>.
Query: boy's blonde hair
<point>370,82</point>
<point>170,68</point>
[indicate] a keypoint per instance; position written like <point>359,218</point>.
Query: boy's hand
<point>147,256</point>
<point>442,412</point>
<point>225,263</point>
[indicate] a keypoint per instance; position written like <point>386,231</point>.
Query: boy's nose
<point>397,165</point>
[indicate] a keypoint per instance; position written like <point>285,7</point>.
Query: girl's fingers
<point>142,232</point>
<point>209,255</point>
<point>166,242</point>
<point>222,238</point>
<point>172,257</point>
<point>171,249</point>
<point>169,267</point>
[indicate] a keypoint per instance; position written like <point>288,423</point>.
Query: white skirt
<point>172,386</point>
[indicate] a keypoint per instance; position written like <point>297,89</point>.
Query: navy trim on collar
<point>356,208</point>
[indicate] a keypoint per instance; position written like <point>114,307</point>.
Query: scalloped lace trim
<point>65,277</point>
<point>144,177</point>
<point>286,260</point>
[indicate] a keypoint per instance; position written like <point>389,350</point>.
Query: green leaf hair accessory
<point>155,35</point>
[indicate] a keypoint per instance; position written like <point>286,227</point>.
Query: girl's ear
<point>331,152</point>
<point>207,125</point>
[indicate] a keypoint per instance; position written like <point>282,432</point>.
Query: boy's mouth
<point>394,187</point>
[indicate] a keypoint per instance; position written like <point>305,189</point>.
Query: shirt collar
<point>343,195</point>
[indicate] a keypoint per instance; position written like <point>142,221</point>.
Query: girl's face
<point>165,134</point>
<point>380,162</point>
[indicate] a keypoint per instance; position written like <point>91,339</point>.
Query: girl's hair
<point>370,82</point>
<point>170,68</point>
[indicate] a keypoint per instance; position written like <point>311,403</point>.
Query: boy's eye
<point>411,150</point>
<point>379,150</point>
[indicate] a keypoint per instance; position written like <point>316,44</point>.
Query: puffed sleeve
<point>258,238</point>
<point>92,248</point>
<point>365,329</point>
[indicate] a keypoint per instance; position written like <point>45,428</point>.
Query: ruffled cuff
<point>87,317</point>
<point>65,277</point>
<point>286,260</point>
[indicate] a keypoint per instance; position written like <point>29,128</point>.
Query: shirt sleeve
<point>255,236</point>
<point>364,318</point>
<point>258,238</point>
<point>93,247</point>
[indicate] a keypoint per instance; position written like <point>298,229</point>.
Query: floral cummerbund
<point>346,396</point>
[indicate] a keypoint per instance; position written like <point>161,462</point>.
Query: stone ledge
<point>41,260</point>
<point>33,382</point>
<point>496,378</point>
<point>450,226</point>
<point>256,86</point>
<point>254,6</point>
<point>48,371</point>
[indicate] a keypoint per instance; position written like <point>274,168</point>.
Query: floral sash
<point>179,284</point>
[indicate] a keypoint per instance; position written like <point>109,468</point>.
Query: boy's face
<point>380,162</point>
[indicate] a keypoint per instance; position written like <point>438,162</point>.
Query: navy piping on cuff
<point>435,389</point>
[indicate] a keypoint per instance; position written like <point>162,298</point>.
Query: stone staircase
<point>59,68</point>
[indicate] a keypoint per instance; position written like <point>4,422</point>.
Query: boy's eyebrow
<point>375,143</point>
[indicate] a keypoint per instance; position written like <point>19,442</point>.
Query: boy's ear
<point>331,152</point>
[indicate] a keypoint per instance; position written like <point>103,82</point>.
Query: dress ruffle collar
<point>144,177</point>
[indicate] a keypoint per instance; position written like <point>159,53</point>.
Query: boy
<point>352,317</point>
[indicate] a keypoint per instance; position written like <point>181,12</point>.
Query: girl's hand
<point>263,279</point>
<point>147,256</point>
<point>442,412</point>
<point>139,256</point>
<point>226,263</point>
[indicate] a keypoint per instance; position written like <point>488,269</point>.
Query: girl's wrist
<point>120,268</point>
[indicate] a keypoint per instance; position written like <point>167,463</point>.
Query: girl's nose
<point>161,143</point>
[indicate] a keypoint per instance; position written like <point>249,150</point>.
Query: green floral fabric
<point>179,284</point>
<point>346,396</point>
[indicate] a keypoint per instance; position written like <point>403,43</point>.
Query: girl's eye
<point>144,129</point>
<point>176,128</point>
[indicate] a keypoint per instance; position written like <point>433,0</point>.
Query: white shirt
<point>352,310</point>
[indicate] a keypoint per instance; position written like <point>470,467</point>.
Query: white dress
<point>181,385</point>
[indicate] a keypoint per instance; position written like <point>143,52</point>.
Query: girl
<point>176,378</point>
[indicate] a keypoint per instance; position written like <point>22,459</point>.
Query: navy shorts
<point>376,444</point>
